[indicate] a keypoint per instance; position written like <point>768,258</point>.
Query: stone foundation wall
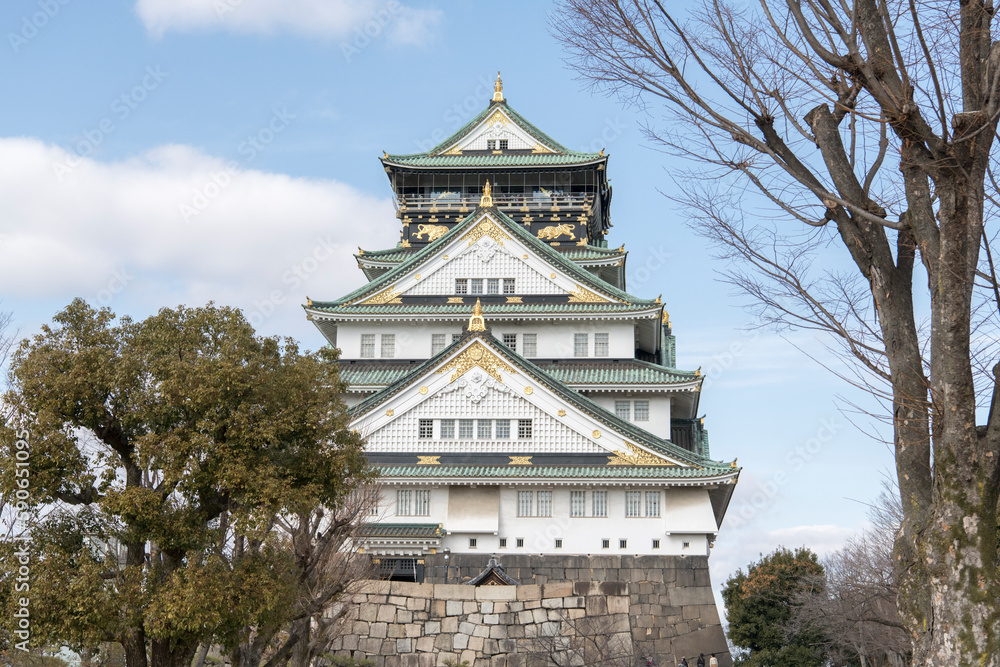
<point>616,611</point>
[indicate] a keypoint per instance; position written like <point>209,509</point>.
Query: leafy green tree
<point>161,453</point>
<point>759,606</point>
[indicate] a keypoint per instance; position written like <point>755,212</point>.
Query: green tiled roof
<point>396,254</point>
<point>509,160</point>
<point>488,309</point>
<point>545,472</point>
<point>544,250</point>
<point>390,530</point>
<point>577,253</point>
<point>627,372</point>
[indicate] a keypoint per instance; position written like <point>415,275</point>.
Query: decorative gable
<point>498,126</point>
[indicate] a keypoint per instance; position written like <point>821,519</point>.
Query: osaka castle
<point>516,399</point>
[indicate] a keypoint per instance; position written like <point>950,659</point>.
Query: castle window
<point>525,499</point>
<point>455,337</point>
<point>544,503</point>
<point>623,410</point>
<point>438,342</point>
<point>472,542</point>
<point>492,285</point>
<point>641,411</point>
<point>558,544</point>
<point>633,504</point>
<point>426,429</point>
<point>491,144</point>
<point>404,503</point>
<point>447,429</point>
<point>581,345</point>
<point>605,543</point>
<point>510,340</point>
<point>423,503</point>
<point>503,542</point>
<point>367,346</point>
<point>503,144</point>
<point>529,345</point>
<point>656,544</point>
<point>484,429</point>
<point>461,285</point>
<point>577,503</point>
<point>599,500</point>
<point>601,345</point>
<point>465,429</point>
<point>520,542</point>
<point>686,545</point>
<point>503,429</point>
<point>623,544</point>
<point>476,285</point>
<point>508,286</point>
<point>652,503</point>
<point>388,346</point>
<point>524,429</point>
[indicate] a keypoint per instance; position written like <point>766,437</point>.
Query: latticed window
<point>652,503</point>
<point>503,429</point>
<point>438,341</point>
<point>605,544</point>
<point>520,542</point>
<point>492,285</point>
<point>465,429</point>
<point>472,542</point>
<point>484,429</point>
<point>447,429</point>
<point>426,428</point>
<point>367,346</point>
<point>508,286</point>
<point>580,345</point>
<point>558,544</point>
<point>544,503</point>
<point>623,544</point>
<point>577,503</point>
<point>523,429</point>
<point>524,502</point>
<point>388,346</point>
<point>623,410</point>
<point>404,503</point>
<point>529,345</point>
<point>503,144</point>
<point>599,500</point>
<point>476,285</point>
<point>641,409</point>
<point>601,345</point>
<point>656,544</point>
<point>491,144</point>
<point>633,504</point>
<point>510,340</point>
<point>503,542</point>
<point>422,502</point>
<point>461,285</point>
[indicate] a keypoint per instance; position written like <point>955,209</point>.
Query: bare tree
<point>867,132</point>
<point>579,640</point>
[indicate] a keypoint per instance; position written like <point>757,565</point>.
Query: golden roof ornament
<point>477,322</point>
<point>487,198</point>
<point>498,89</point>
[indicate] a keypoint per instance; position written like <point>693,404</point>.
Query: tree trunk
<point>135,649</point>
<point>199,660</point>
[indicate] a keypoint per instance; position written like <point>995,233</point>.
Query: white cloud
<point>328,19</point>
<point>114,233</point>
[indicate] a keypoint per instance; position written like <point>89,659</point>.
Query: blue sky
<point>160,152</point>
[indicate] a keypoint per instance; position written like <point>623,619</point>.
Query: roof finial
<point>476,322</point>
<point>487,198</point>
<point>498,89</point>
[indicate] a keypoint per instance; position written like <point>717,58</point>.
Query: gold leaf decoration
<point>597,434</point>
<point>423,391</point>
<point>390,412</point>
<point>520,461</point>
<point>486,227</point>
<point>636,457</point>
<point>562,413</point>
<point>529,391</point>
<point>428,460</point>
<point>479,355</point>
<point>388,296</point>
<point>583,295</point>
<point>514,299</point>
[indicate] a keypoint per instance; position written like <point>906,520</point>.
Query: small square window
<point>510,340</point>
<point>508,286</point>
<point>605,544</point>
<point>656,544</point>
<point>503,542</point>
<point>503,429</point>
<point>477,286</point>
<point>503,144</point>
<point>438,341</point>
<point>367,346</point>
<point>388,346</point>
<point>687,544</point>
<point>426,429</point>
<point>484,429</point>
<point>581,345</point>
<point>491,144</point>
<point>492,285</point>
<point>529,344</point>
<point>623,544</point>
<point>601,345</point>
<point>465,429</point>
<point>558,544</point>
<point>623,410</point>
<point>520,542</point>
<point>524,429</point>
<point>461,285</point>
<point>472,542</point>
<point>447,429</point>
<point>641,410</point>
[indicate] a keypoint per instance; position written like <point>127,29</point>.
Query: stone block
<point>496,593</point>
<point>614,588</point>
<point>379,630</point>
<point>432,627</point>
<point>575,613</point>
<point>386,614</point>
<point>597,605</point>
<point>404,646</point>
<point>557,590</point>
<point>454,592</point>
<point>367,612</point>
<point>524,617</point>
<point>532,604</point>
<point>350,642</point>
<point>573,602</point>
<point>443,642</point>
<point>682,597</point>
<point>584,587</point>
<point>466,627</point>
<point>486,607</point>
<point>425,660</point>
<point>618,604</point>
<point>370,645</point>
<point>412,630</point>
<point>425,644</point>
<point>416,604</point>
<point>539,615</point>
<point>398,600</point>
<point>491,619</point>
<point>460,642</point>
<point>409,589</point>
<point>515,606</point>
<point>438,608</point>
<point>529,592</point>
<point>454,608</point>
<point>410,661</point>
<point>392,661</point>
<point>370,587</point>
<point>491,647</point>
<point>549,629</point>
<point>476,643</point>
<point>552,603</point>
<point>468,656</point>
<point>361,628</point>
<point>470,607</point>
<point>498,632</point>
<point>395,631</point>
<point>449,624</point>
<point>515,631</point>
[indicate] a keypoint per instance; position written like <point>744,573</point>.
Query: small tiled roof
<point>575,253</point>
<point>462,310</point>
<point>393,530</point>
<point>557,472</point>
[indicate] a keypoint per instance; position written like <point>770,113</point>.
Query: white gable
<point>498,126</point>
<point>478,382</point>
